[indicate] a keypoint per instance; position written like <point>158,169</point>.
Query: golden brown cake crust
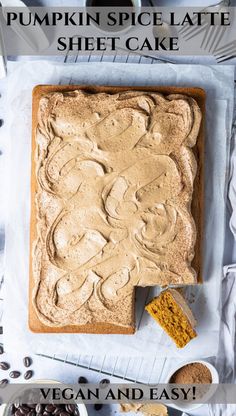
<point>35,323</point>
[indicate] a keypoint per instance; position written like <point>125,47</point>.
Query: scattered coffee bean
<point>32,413</point>
<point>104,382</point>
<point>24,409</point>
<point>82,380</point>
<point>14,374</point>
<point>3,383</point>
<point>98,406</point>
<point>27,361</point>
<point>50,408</point>
<point>70,408</point>
<point>1,349</point>
<point>39,408</point>
<point>56,411</point>
<point>4,366</point>
<point>17,404</point>
<point>18,413</point>
<point>28,374</point>
<point>63,413</point>
<point>25,412</point>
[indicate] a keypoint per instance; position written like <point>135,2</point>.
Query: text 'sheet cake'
<point>112,187</point>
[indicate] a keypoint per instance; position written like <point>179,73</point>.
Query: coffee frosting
<point>115,177</point>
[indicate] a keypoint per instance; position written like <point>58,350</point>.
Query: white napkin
<point>226,355</point>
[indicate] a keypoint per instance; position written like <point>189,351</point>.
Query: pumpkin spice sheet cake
<point>113,176</point>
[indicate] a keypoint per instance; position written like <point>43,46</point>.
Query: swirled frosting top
<point>115,177</point>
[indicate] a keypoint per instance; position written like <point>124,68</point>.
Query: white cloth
<point>226,360</point>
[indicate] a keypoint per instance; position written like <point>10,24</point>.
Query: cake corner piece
<point>171,311</point>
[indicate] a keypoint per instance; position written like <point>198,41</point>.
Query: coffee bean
<point>46,413</point>
<point>17,404</point>
<point>63,413</point>
<point>18,413</point>
<point>28,374</point>
<point>57,411</point>
<point>27,361</point>
<point>50,408</point>
<point>14,374</point>
<point>104,382</point>
<point>39,408</point>
<point>98,406</point>
<point>70,408</point>
<point>3,383</point>
<point>1,349</point>
<point>32,413</point>
<point>24,409</point>
<point>4,366</point>
<point>82,380</point>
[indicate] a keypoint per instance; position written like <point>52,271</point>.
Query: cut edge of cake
<point>172,313</point>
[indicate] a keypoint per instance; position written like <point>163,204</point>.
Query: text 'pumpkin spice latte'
<point>114,180</point>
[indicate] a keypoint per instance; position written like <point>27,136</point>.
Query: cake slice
<point>173,314</point>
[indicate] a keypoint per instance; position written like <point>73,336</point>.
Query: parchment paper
<point>205,300</point>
